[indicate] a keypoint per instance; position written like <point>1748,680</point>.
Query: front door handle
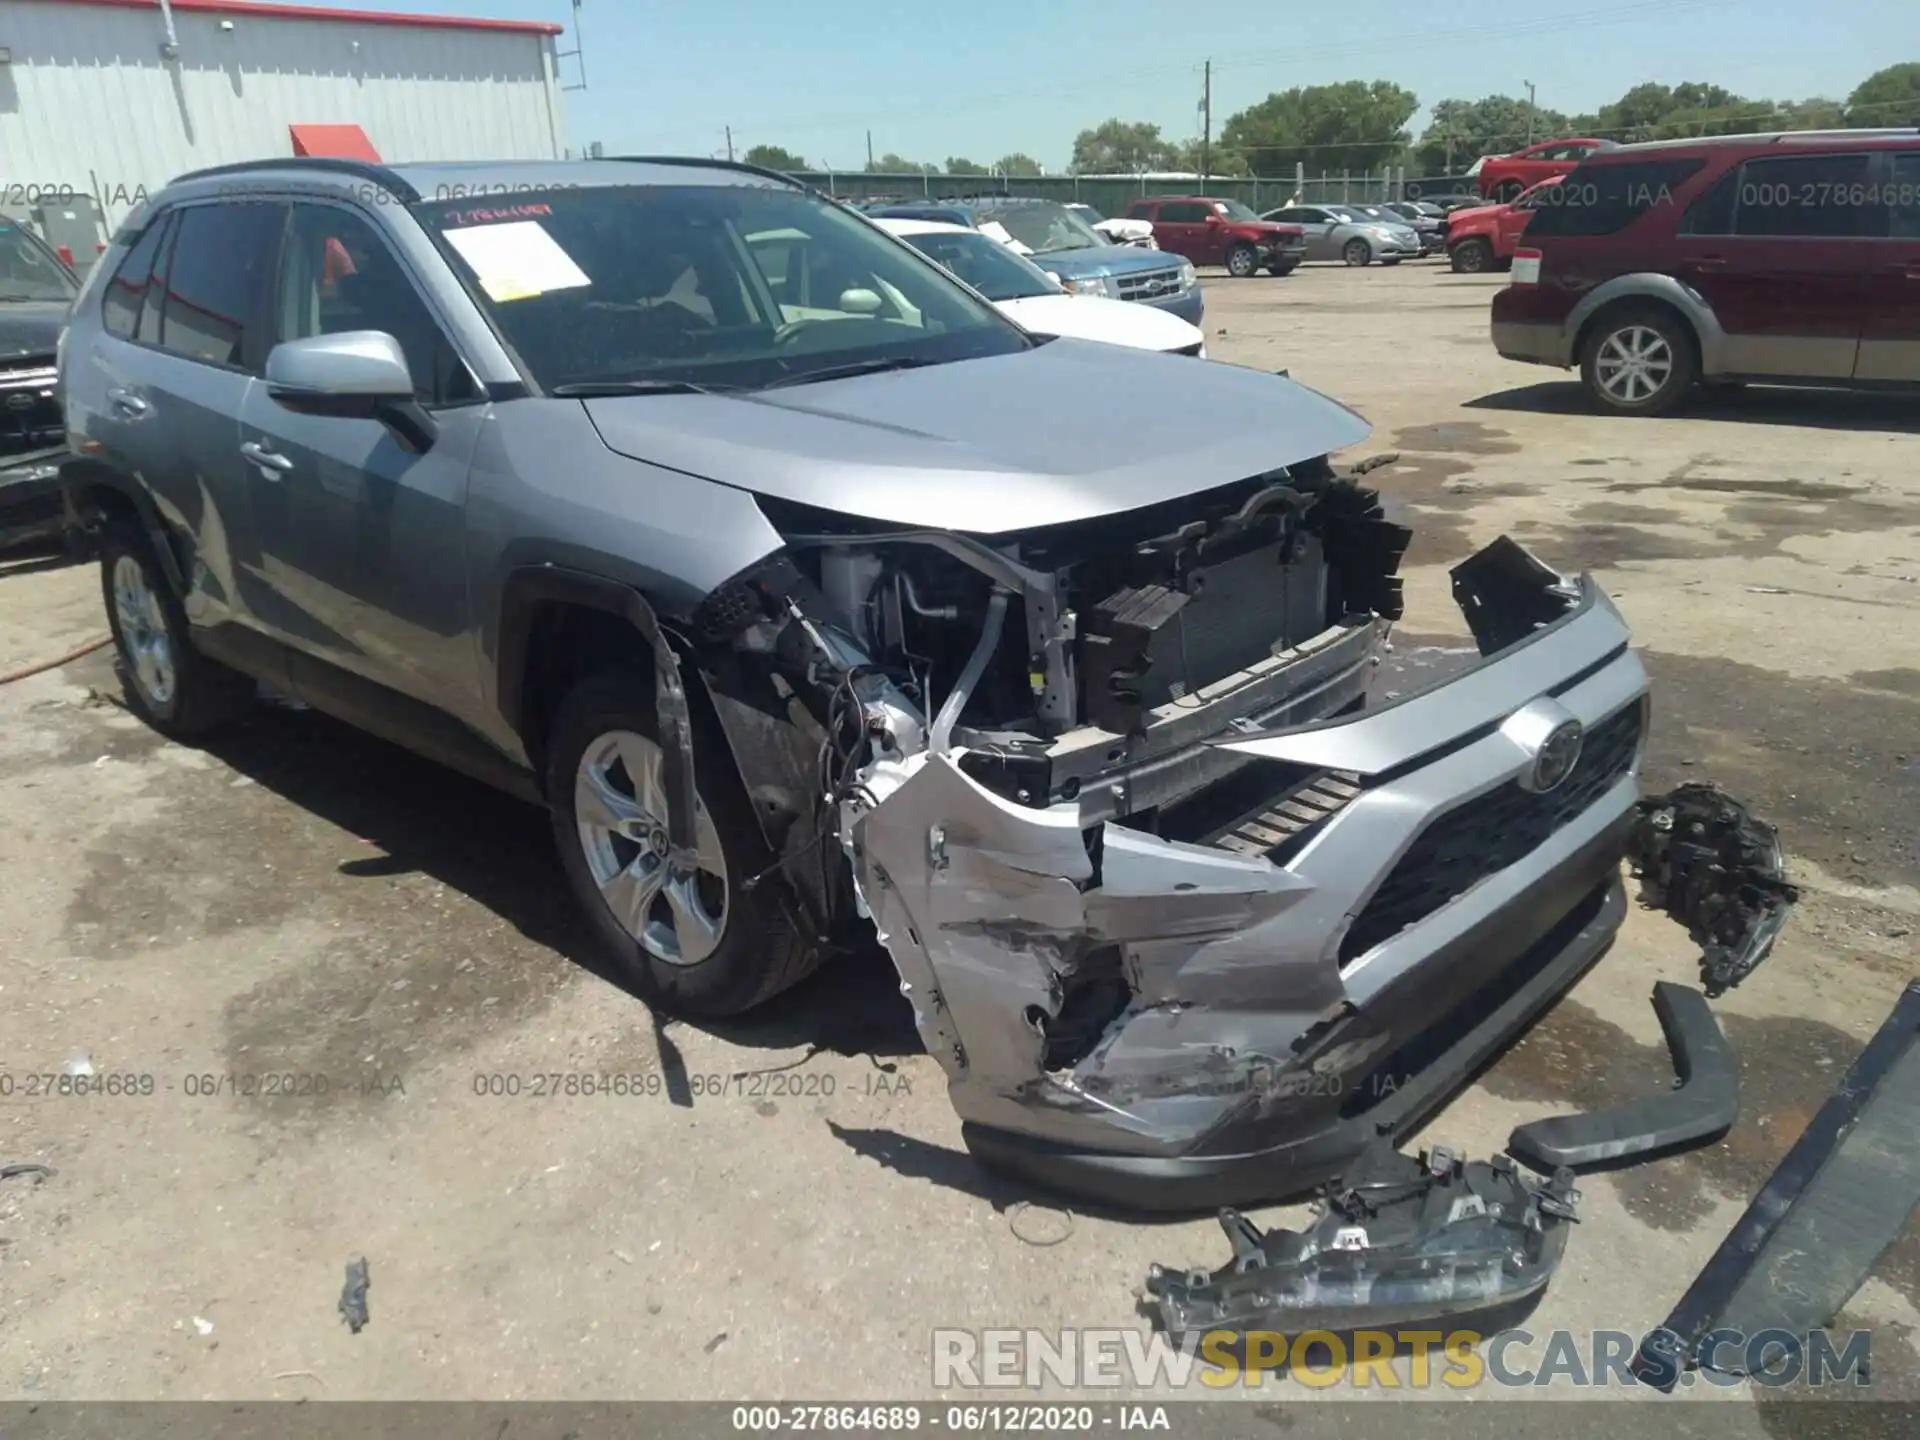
<point>127,402</point>
<point>1708,262</point>
<point>269,463</point>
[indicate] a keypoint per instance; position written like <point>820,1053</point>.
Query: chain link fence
<point>1110,194</point>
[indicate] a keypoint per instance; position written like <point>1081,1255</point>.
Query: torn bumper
<point>1252,1008</point>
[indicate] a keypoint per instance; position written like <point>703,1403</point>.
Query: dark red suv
<point>1784,259</point>
<point>1221,232</point>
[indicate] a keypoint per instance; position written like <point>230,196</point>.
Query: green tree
<point>892,164</point>
<point>1887,97</point>
<point>956,165</point>
<point>1461,131</point>
<point>1017,164</point>
<point>772,157</point>
<point>1120,147</point>
<point>1221,160</point>
<point>1356,125</point>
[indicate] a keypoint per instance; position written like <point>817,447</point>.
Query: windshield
<point>1087,213</point>
<point>1531,197</point>
<point>28,272</point>
<point>985,264</point>
<point>1045,228</point>
<point>709,285</point>
<point>1234,210</point>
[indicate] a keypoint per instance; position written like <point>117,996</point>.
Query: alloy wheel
<point>144,638</point>
<point>620,812</point>
<point>1633,364</point>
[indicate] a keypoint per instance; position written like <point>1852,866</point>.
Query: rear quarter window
<point>1605,199</point>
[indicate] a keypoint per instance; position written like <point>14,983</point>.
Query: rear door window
<point>1809,197</point>
<point>221,256</point>
<point>1605,199</point>
<point>1188,213</point>
<point>1903,195</point>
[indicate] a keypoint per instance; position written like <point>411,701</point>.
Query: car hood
<point>1103,260</point>
<point>1066,431</point>
<point>1473,214</point>
<point>1092,317</point>
<point>30,327</point>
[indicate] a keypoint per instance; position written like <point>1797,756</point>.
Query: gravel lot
<point>299,900</point>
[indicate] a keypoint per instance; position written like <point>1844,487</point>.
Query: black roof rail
<point>696,162</point>
<point>366,170</point>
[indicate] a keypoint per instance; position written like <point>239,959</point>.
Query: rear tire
<point>169,684</point>
<point>712,947</point>
<point>1638,360</point>
<point>1242,261</point>
<point>1471,257</point>
<point>1357,253</point>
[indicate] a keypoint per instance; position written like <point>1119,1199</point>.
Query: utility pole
<point>869,152</point>
<point>729,144</point>
<point>1206,124</point>
<point>1529,85</point>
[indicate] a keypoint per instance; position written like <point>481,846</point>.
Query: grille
<point>1150,285</point>
<point>30,416</point>
<point>1488,833</point>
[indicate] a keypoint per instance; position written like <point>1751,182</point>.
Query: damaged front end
<point>1186,918</point>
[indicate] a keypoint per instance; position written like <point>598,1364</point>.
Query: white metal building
<point>113,98</point>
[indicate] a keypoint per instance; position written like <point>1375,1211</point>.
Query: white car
<point>1035,301</point>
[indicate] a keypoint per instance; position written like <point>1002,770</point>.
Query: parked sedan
<point>1034,300</point>
<point>1429,222</point>
<point>1346,233</point>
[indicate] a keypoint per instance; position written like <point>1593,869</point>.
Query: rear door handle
<point>269,463</point>
<point>127,402</point>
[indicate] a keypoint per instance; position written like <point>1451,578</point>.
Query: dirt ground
<point>298,900</point>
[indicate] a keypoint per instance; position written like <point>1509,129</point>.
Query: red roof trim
<point>319,12</point>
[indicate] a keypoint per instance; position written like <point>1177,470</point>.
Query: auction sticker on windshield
<point>516,261</point>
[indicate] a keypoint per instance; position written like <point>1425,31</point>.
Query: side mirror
<point>354,375</point>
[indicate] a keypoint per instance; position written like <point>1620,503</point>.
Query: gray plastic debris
<point>353,1296</point>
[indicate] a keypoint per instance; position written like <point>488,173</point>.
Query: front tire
<point>1357,253</point>
<point>1284,267</point>
<point>1471,257</point>
<point>169,684</point>
<point>712,945</point>
<point>1638,361</point>
<point>1242,261</point>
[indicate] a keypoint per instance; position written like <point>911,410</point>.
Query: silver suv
<point>818,599</point>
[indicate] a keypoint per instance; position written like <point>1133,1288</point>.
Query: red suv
<point>1503,177</point>
<point>1785,259</point>
<point>1221,232</point>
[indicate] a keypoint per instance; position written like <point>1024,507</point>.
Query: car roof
<point>1763,141</point>
<point>894,225</point>
<point>477,179</point>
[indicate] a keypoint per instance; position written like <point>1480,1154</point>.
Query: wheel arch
<point>94,494</point>
<point>1655,291</point>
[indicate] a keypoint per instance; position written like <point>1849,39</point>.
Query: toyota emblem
<point>1548,736</point>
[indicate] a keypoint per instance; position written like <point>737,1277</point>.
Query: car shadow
<point>1745,405</point>
<point>423,818</point>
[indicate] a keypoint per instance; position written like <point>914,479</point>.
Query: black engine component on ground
<point>1397,1241</point>
<point>1703,858</point>
<point>1816,1229</point>
<point>1701,1109</point>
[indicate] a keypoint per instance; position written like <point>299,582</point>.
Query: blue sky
<point>985,77</point>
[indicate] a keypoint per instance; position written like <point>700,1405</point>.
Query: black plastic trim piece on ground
<point>1700,1111</point>
<point>1852,1205</point>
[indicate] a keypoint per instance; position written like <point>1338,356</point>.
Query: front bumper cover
<point>1250,1017</point>
<point>30,498</point>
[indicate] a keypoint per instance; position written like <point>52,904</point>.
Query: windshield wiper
<point>847,371</point>
<point>603,389</point>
